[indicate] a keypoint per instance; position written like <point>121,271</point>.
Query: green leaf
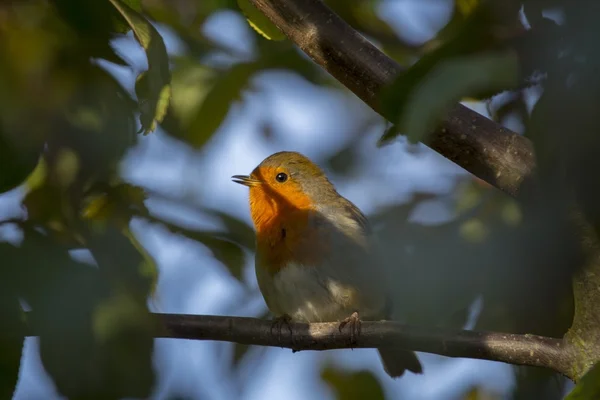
<point>12,335</point>
<point>450,81</point>
<point>352,385</point>
<point>153,86</point>
<point>120,25</point>
<point>124,260</point>
<point>221,244</point>
<point>218,100</point>
<point>589,386</point>
<point>17,162</point>
<point>11,344</point>
<point>123,330</point>
<point>259,22</point>
<point>95,338</point>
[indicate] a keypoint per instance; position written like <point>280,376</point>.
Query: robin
<point>314,252</point>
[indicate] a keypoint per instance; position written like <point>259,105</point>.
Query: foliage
<point>66,124</point>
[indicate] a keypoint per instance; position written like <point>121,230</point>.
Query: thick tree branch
<point>481,146</point>
<point>528,350</point>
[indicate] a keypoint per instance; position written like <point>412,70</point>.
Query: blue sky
<point>305,118</point>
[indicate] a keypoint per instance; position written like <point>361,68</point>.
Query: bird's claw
<point>279,322</point>
<point>355,326</point>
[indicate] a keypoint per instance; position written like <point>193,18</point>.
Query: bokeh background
<point>237,98</point>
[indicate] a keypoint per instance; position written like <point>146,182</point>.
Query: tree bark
<point>531,350</point>
<point>479,145</point>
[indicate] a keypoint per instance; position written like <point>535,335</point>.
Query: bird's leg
<point>355,326</point>
<point>279,322</point>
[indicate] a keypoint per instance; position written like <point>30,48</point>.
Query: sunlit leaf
<point>352,385</point>
<point>120,24</point>
<point>152,87</point>
<point>466,7</point>
<point>478,393</point>
<point>119,203</point>
<point>259,22</point>
<point>191,83</point>
<point>588,387</point>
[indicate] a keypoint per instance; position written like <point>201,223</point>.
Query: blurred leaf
<point>365,16</point>
<point>538,383</point>
<point>259,22</point>
<point>124,330</point>
<point>477,393</point>
<point>352,385</point>
<point>48,206</point>
<point>589,386</point>
<point>477,33</point>
<point>95,341</point>
<point>153,86</point>
<point>239,231</point>
<point>222,247</point>
<point>16,163</point>
<point>448,83</point>
<point>118,202</point>
<point>191,82</point>
<point>91,135</point>
<point>466,7</point>
<point>11,344</point>
<point>12,335</point>
<point>215,107</point>
<point>239,351</point>
<point>152,112</point>
<point>123,259</point>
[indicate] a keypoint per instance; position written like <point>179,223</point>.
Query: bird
<point>315,253</point>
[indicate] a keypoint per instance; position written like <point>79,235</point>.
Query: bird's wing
<point>351,258</point>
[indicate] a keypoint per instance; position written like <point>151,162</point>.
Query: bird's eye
<point>281,177</point>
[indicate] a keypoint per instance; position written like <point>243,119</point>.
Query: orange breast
<point>283,231</point>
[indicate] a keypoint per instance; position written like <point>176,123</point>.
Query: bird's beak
<point>245,180</point>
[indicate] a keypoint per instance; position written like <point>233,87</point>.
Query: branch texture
<point>479,145</point>
<point>531,350</point>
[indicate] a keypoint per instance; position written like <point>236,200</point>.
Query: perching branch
<point>528,350</point>
<point>476,143</point>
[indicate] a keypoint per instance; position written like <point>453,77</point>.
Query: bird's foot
<point>355,326</point>
<point>279,322</point>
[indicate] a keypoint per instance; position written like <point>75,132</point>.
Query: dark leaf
<point>95,341</point>
<point>17,161</point>
<point>451,80</point>
<point>223,248</point>
<point>153,86</point>
<point>352,385</point>
<point>123,260</point>
<point>12,335</point>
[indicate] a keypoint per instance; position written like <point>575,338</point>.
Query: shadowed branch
<point>515,349</point>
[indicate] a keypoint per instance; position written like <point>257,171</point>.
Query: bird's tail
<point>396,361</point>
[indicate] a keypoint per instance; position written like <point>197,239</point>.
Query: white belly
<point>306,294</point>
